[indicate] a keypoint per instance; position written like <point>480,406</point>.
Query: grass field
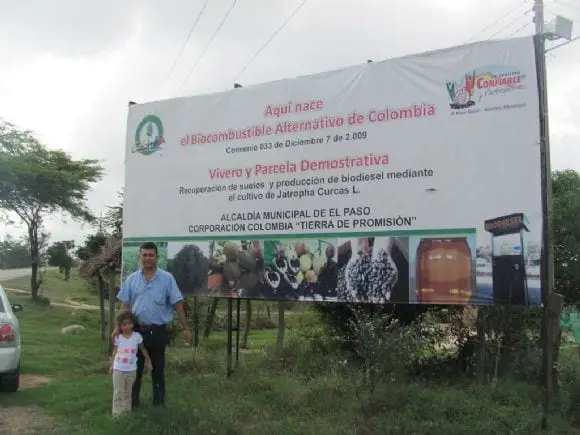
<point>55,287</point>
<point>296,391</point>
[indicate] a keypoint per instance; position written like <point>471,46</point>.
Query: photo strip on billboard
<point>413,180</point>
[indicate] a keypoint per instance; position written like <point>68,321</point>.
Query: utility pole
<point>539,16</point>
<point>101,223</point>
<point>548,300</point>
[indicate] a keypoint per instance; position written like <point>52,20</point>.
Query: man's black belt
<point>146,327</point>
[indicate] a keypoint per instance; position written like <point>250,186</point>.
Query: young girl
<point>124,362</point>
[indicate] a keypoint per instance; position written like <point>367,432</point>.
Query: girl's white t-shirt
<point>127,348</point>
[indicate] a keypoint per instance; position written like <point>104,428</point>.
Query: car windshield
<point>2,309</point>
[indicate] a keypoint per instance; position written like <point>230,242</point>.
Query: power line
<point>187,40</point>
<point>519,29</point>
<point>564,43</point>
<point>270,39</point>
<point>220,25</point>
<point>571,6</point>
<point>510,23</point>
<point>497,21</point>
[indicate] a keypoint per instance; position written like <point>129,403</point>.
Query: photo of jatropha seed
<point>330,251</point>
<point>383,276</point>
<point>341,292</point>
<point>294,265</point>
<point>272,278</point>
<point>291,280</point>
<point>280,264</point>
<point>357,273</point>
<point>370,274</point>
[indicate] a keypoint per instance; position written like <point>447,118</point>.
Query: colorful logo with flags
<point>488,81</point>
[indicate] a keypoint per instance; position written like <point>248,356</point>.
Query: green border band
<point>133,243</point>
<point>303,235</point>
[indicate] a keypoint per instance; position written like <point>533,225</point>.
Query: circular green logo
<point>149,135</point>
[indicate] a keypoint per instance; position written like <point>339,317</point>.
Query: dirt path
<point>32,381</point>
<point>20,420</point>
<point>67,303</point>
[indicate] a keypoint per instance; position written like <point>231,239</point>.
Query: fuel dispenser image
<point>510,284</point>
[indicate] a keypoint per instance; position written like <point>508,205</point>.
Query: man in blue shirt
<point>152,295</point>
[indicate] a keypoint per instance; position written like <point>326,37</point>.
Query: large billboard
<point>412,180</point>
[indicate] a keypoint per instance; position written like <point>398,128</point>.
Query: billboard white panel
<point>408,151</point>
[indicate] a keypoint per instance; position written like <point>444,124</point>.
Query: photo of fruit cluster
<point>236,268</point>
<point>303,269</point>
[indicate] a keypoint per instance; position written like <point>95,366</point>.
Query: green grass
<point>55,287</point>
<point>286,393</point>
<point>48,352</point>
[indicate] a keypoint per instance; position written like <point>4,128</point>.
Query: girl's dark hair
<point>125,315</point>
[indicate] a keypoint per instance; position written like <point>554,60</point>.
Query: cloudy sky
<point>69,67</point>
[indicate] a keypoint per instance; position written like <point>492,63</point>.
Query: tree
<point>566,230</point>
<point>113,218</point>
<point>36,182</point>
<point>58,256</point>
<point>92,246</point>
<point>14,253</point>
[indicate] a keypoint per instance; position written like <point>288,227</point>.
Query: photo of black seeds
<point>374,270</point>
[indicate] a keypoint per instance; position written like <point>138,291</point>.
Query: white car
<point>10,346</point>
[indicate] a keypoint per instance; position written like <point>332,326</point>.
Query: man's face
<point>148,258</point>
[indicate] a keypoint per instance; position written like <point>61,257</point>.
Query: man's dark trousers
<point>155,340</point>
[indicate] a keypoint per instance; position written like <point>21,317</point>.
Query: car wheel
<point>9,382</point>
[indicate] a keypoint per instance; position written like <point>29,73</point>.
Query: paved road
<point>6,274</point>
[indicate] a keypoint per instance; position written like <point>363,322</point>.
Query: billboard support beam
<point>230,321</point>
<point>195,323</point>
<point>238,310</point>
<point>238,301</point>
<point>547,264</point>
<point>230,328</point>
